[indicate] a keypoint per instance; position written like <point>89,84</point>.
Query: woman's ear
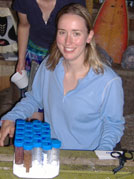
<point>90,36</point>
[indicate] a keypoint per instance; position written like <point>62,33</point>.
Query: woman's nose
<point>68,39</point>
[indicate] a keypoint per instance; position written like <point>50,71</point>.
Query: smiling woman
<point>82,96</point>
<point>72,37</point>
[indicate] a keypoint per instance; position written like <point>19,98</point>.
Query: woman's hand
<point>7,127</point>
<point>20,66</point>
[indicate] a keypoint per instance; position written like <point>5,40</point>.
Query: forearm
<point>23,109</point>
<point>23,35</point>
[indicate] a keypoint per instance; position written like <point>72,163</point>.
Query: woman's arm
<point>23,35</point>
<point>112,114</point>
<point>26,107</point>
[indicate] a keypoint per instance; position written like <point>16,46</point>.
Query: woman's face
<point>72,37</point>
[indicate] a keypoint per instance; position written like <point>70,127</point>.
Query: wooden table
<point>74,165</point>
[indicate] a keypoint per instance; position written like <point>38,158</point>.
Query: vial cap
<point>46,146</point>
<point>28,145</point>
<point>46,134</point>
<point>28,139</point>
<point>36,121</point>
<point>20,121</point>
<point>28,124</point>
<point>37,136</point>
<point>37,143</point>
<point>20,126</point>
<point>19,136</point>
<point>37,131</point>
<point>46,129</point>
<point>18,143</point>
<point>28,129</point>
<point>28,133</point>
<point>45,124</point>
<point>46,139</point>
<point>56,143</point>
<point>19,131</point>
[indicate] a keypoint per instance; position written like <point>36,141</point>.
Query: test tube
<point>19,152</point>
<point>28,146</point>
<point>46,152</point>
<point>19,133</point>
<point>55,152</point>
<point>37,152</point>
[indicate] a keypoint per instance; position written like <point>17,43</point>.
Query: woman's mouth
<point>69,49</point>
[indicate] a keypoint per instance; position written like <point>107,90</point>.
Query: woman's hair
<point>92,57</point>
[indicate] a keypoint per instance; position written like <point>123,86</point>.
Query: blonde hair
<point>92,57</point>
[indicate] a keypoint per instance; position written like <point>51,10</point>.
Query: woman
<point>82,97</point>
<point>36,31</point>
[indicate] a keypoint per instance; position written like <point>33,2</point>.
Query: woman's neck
<point>46,7</point>
<point>78,69</point>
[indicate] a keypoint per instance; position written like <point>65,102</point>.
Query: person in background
<point>36,31</point>
<point>82,96</point>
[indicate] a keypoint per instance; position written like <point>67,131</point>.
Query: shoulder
<point>22,5</point>
<point>109,73</point>
<point>108,77</point>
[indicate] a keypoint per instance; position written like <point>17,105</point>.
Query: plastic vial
<point>28,124</point>
<point>19,133</point>
<point>46,139</point>
<point>37,136</point>
<point>28,133</point>
<point>46,134</point>
<point>37,131</point>
<point>37,152</point>
<point>45,126</point>
<point>46,153</point>
<point>28,128</point>
<point>36,122</point>
<point>19,136</point>
<point>27,139</point>
<point>37,125</point>
<point>28,146</point>
<point>19,152</point>
<point>55,152</point>
<point>20,121</point>
<point>20,126</point>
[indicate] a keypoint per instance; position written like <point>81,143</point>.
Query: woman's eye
<point>61,32</point>
<point>76,34</point>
